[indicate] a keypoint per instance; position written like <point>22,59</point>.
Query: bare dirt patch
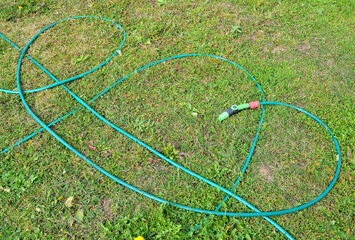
<point>279,50</point>
<point>106,205</point>
<point>266,172</point>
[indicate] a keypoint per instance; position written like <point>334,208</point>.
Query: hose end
<point>223,116</point>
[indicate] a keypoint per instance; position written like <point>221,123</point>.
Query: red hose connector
<point>254,105</point>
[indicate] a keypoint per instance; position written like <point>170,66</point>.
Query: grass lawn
<point>301,53</point>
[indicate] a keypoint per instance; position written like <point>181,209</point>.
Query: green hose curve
<point>229,193</point>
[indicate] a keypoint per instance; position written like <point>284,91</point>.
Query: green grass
<point>301,52</point>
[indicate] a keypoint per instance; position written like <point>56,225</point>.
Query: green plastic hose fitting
<point>237,108</point>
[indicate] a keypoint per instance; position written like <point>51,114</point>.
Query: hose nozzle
<point>237,108</point>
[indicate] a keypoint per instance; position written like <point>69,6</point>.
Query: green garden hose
<point>234,109</point>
